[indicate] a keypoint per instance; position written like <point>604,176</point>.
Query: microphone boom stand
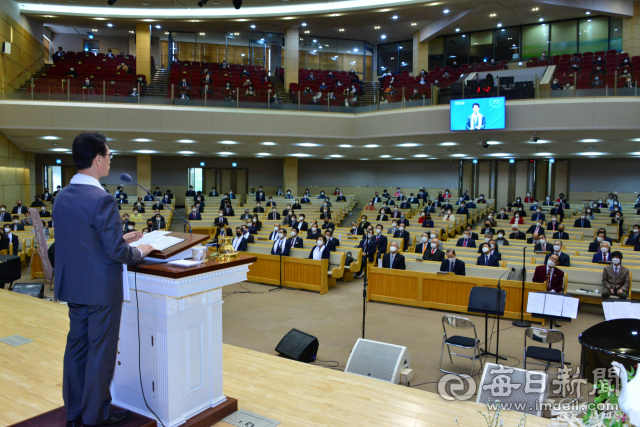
<point>522,323</point>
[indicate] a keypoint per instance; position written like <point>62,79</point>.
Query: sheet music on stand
<point>621,310</point>
<point>552,305</point>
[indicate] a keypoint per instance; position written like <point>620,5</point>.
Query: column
<point>291,173</point>
<point>143,50</point>
<point>291,56</point>
<point>420,54</point>
<point>631,32</point>
<point>143,172</point>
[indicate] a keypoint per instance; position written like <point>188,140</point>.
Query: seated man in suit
<point>325,212</point>
<point>487,228</point>
<point>494,249</point>
<point>396,213</point>
<point>405,204</point>
<point>401,233</point>
<point>313,232</point>
<point>11,238</point>
<point>615,278</point>
<point>564,259</point>
<point>239,242</point>
<point>190,192</point>
<point>332,242</point>
<point>274,234</point>
<point>423,246</point>
<point>280,246</point>
<point>260,195</point>
<point>158,222</point>
<point>558,211</point>
<point>583,222</point>
<point>538,216</point>
<point>453,265</point>
<point>305,199</point>
<point>380,240</point>
<point>258,208</point>
<point>364,224</point>
<point>321,250</point>
<point>473,235</point>
<point>327,224</point>
<point>516,234</point>
<point>634,236</point>
<point>247,234</point>
<point>246,215</point>
<point>301,224</point>
<point>413,199</point>
<point>223,232</point>
<point>355,230</point>
<point>296,204</point>
<point>466,241</point>
<point>554,224</point>
<point>221,220</point>
<point>486,258</point>
<point>561,234</point>
<point>393,259</point>
<point>433,252</point>
<point>462,210</point>
<point>295,241</point>
<point>17,225</point>
<point>550,275</point>
<point>157,192</point>
<point>542,245</point>
<point>6,216</point>
<point>213,192</point>
<point>368,246</point>
<point>228,210</point>
<point>195,215</point>
<point>271,203</point>
<point>537,228</point>
<point>120,192</point>
<point>341,198</point>
<point>273,215</point>
<point>602,256</point>
<point>503,214</point>
<point>46,196</point>
<point>534,207</point>
<point>27,220</point>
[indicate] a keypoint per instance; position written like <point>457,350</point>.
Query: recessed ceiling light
<point>253,26</point>
<point>306,32</point>
<point>345,145</point>
<point>420,155</point>
<point>385,156</point>
<point>457,29</point>
<point>60,149</point>
<point>202,34</point>
<point>264,154</point>
<point>499,25</point>
<point>535,9</point>
<point>377,27</point>
<point>500,154</point>
<point>589,140</point>
<point>341,30</point>
<point>364,159</point>
<point>109,25</point>
<point>300,155</point>
<point>371,146</point>
<point>543,154</point>
<point>459,155</point>
<point>394,17</point>
<point>268,143</point>
<point>131,32</point>
<point>492,15</point>
<point>588,13</point>
<point>225,153</point>
<point>148,20</point>
<point>445,11</point>
<point>413,24</point>
<point>234,143</point>
<point>50,137</point>
<point>186,152</point>
<point>95,30</point>
<point>166,33</point>
<point>308,144</point>
<point>399,158</point>
<point>590,153</point>
<point>304,24</point>
<point>158,27</point>
<point>186,141</point>
<point>445,144</point>
<point>408,144</point>
<point>541,19</point>
<point>145,151</point>
<point>336,155</point>
<point>494,142</point>
<point>637,153</point>
<point>142,140</point>
<point>383,36</point>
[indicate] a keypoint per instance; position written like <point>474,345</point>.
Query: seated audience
<point>321,250</point>
<point>550,275</point>
<point>516,234</point>
<point>615,278</point>
<point>560,234</point>
<point>487,259</point>
<point>453,265</point>
<point>603,255</point>
<point>466,241</point>
<point>393,259</point>
<point>564,259</point>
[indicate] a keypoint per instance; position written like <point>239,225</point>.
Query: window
<point>405,55</point>
<point>457,49</point>
<point>388,58</point>
<point>615,34</point>
<point>564,38</point>
<point>195,178</point>
<point>436,52</point>
<point>594,34</point>
<point>535,40</point>
<point>481,47</point>
<point>507,44</point>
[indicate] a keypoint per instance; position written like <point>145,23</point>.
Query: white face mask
<point>401,228</point>
<point>7,230</point>
<point>452,259</point>
<point>635,230</point>
<point>551,264</point>
<point>393,249</point>
<point>542,241</point>
<point>43,209</point>
<point>15,221</point>
<point>378,231</point>
<point>424,239</point>
<point>557,248</point>
<point>320,243</point>
<point>276,228</point>
<point>433,246</point>
<point>2,209</point>
<point>553,220</point>
<point>616,261</point>
<point>486,239</point>
<point>193,210</point>
<point>313,229</point>
<point>220,215</point>
<point>465,236</point>
<point>490,217</point>
<point>131,227</point>
<point>485,249</point>
<point>274,210</point>
<point>599,239</point>
<point>433,236</point>
<point>500,236</point>
<point>281,235</point>
<point>604,250</point>
<point>254,220</point>
<point>517,216</point>
<point>293,233</point>
<point>583,216</point>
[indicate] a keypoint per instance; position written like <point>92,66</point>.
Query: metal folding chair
<point>459,341</point>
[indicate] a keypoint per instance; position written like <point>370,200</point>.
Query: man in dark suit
<point>393,259</point>
<point>453,265</point>
<point>158,222</point>
<point>19,209</point>
<point>13,239</point>
<point>313,232</point>
<point>301,224</point>
<point>615,278</point>
<point>213,192</point>
<point>296,205</point>
<point>17,225</point>
<point>368,246</point>
<point>558,211</point>
<point>503,215</point>
<point>294,241</point>
<point>327,224</point>
<point>433,252</point>
<point>364,224</point>
<point>157,192</point>
<point>466,241</point>
<point>4,215</point>
<point>553,225</point>
<point>120,192</point>
<point>405,204</point>
<point>401,233</point>
<point>247,234</point>
<point>280,245</point>
<point>413,199</point>
<point>260,196</point>
<point>517,234</point>
<point>246,215</point>
<point>423,246</point>
<point>190,192</point>
<point>380,240</point>
<point>305,199</point>
<point>549,274</point>
<point>273,215</point>
<point>332,242</point>
<point>536,228</point>
<point>228,210</point>
<point>194,215</point>
<point>341,198</point>
<point>595,245</point>
<point>149,198</point>
<point>542,244</point>
<point>258,209</point>
<point>634,236</point>
<point>560,234</point>
<point>221,220</point>
<point>487,228</point>
<point>473,235</point>
<point>564,259</point>
<point>239,243</point>
<point>90,250</point>
<point>548,202</point>
<point>273,236</point>
<point>603,255</point>
<point>462,210</point>
<point>538,216</point>
<point>583,222</point>
<point>223,232</point>
<point>46,196</point>
<point>486,258</point>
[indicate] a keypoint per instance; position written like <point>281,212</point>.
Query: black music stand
<point>485,301</point>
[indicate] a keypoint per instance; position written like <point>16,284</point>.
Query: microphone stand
<point>522,323</point>
<point>163,203</point>
<point>364,297</point>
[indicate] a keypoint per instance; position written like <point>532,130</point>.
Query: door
<point>257,53</point>
<point>210,181</point>
<point>92,46</point>
<point>194,177</point>
<point>114,50</point>
<point>234,180</point>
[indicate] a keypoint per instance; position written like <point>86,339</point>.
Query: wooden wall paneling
<point>266,270</point>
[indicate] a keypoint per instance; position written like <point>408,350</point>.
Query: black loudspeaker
<point>33,289</point>
<point>298,346</point>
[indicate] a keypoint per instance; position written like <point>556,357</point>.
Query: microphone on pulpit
<point>125,177</point>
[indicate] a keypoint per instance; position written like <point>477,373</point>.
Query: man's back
<point>90,249</point>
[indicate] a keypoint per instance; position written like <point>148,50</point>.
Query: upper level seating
<point>320,76</point>
<point>194,73</point>
<point>97,68</point>
<point>584,71</point>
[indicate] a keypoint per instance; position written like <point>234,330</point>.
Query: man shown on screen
<point>476,120</point>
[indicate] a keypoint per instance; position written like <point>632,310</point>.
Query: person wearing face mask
<point>239,242</point>
<point>214,192</point>
<point>383,215</point>
<point>618,219</point>
<point>528,198</point>
<point>401,233</point>
<point>558,212</point>
<point>462,210</point>
<point>368,246</point>
<point>221,221</point>
<point>466,241</point>
<point>27,220</point>
<point>321,250</point>
<point>433,251</point>
<point>10,238</point>
<point>354,230</point>
<point>273,215</point>
<point>223,231</point>
<point>541,244</point>
<point>341,198</point>
<point>321,196</point>
<point>615,206</point>
<point>260,195</point>
<point>327,224</point>
<point>487,229</point>
<point>393,259</point>
<point>518,203</point>
<point>615,278</point>
<point>448,216</point>
<point>582,222</point>
<point>246,215</point>
<point>486,258</point>
<point>500,239</point>
<point>550,275</point>
<point>600,237</point>
<point>314,231</point>
<point>46,196</point>
<point>370,206</point>
<point>537,228</point>
<point>517,218</point>
<point>427,222</point>
<point>447,205</point>
<point>195,215</point>
<point>603,256</point>
<point>4,215</point>
<point>634,236</point>
<point>453,265</point>
<point>17,225</point>
<point>280,244</point>
<point>258,209</point>
<point>279,192</point>
<point>538,215</point>
<point>516,234</point>
<point>332,242</point>
<point>301,224</point>
<point>295,241</point>
<point>503,215</point>
<point>190,192</point>
<point>564,259</point>
<point>305,199</point>
<point>325,213</point>
<point>403,220</point>
<point>251,229</point>
<point>136,217</point>
<point>548,201</point>
<point>58,188</point>
<point>405,204</point>
<point>423,246</point>
<point>120,192</point>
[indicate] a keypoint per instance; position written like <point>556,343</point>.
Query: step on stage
<point>294,393</point>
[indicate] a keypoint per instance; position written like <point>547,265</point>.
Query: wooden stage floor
<point>294,393</point>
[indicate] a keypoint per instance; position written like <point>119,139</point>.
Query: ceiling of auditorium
<point>456,146</point>
<point>323,18</point>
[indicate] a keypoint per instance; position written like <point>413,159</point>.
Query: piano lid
<point>620,337</point>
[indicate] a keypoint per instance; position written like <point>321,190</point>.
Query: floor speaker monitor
<point>299,346</point>
<point>378,360</point>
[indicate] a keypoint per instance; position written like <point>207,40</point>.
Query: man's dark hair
<point>474,104</point>
<point>381,226</point>
<point>616,254</point>
<point>86,147</point>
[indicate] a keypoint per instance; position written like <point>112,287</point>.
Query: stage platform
<point>294,393</point>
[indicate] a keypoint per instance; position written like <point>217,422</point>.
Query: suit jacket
<point>382,218</point>
<point>484,231</point>
<point>438,255</point>
<point>194,216</point>
<point>23,209</point>
<point>325,215</point>
<point>548,247</point>
<point>562,236</point>
<point>227,232</point>
<point>405,205</point>
<point>15,242</point>
<point>557,211</point>
<point>242,247</point>
<point>246,216</point>
<point>458,267</point>
<point>190,193</point>
<point>311,235</point>
<point>481,122</point>
<point>326,225</point>
<point>398,262</point>
<point>518,236</point>
<point>614,283</point>
<point>5,217</point>
<point>493,261</point>
<point>90,249</point>
<point>298,243</point>
<point>550,225</point>
<point>535,229</point>
<point>162,224</point>
<point>221,221</point>
<point>333,244</point>
<point>470,243</point>
<point>502,216</point>
<point>250,238</point>
<point>633,239</point>
<point>427,224</point>
<point>557,278</point>
<point>341,199</point>
<point>599,257</point>
<point>273,216</point>
<point>404,235</point>
<point>462,211</point>
<point>304,226</point>
<point>260,197</point>
<point>537,216</point>
<point>213,194</point>
<point>305,200</point>
<point>258,209</point>
<point>17,227</point>
<point>158,206</point>
<point>565,260</point>
<point>228,213</point>
<point>326,253</point>
<point>285,252</point>
<point>579,223</point>
<point>380,243</point>
<point>368,248</point>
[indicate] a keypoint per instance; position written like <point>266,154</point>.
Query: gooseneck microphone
<point>125,177</point>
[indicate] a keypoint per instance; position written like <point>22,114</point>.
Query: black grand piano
<point>615,340</point>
